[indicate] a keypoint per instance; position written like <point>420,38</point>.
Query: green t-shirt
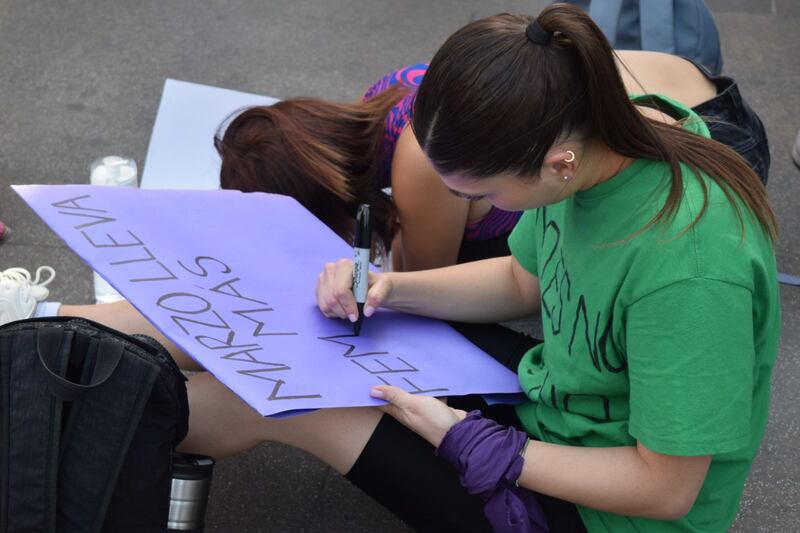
<point>664,338</point>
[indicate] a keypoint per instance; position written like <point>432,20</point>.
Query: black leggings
<point>399,469</point>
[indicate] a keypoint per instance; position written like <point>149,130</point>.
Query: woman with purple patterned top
<point>485,228</point>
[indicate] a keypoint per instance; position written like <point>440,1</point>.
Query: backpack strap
<point>102,423</point>
<point>606,15</point>
<point>657,25</point>
<point>48,346</point>
<point>31,432</point>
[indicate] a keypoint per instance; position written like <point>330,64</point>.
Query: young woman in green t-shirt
<point>647,248</point>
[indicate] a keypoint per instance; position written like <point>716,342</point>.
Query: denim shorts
<point>732,122</point>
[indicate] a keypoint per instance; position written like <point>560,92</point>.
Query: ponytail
<point>499,94</point>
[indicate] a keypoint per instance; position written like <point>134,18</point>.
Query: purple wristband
<point>488,458</point>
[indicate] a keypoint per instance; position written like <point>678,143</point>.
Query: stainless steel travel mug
<point>191,483</point>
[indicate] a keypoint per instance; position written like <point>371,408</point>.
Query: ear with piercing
<point>566,178</point>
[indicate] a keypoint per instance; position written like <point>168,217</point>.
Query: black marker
<point>361,250</point>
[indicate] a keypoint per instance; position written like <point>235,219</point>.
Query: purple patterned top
<point>496,222</point>
<point>400,114</point>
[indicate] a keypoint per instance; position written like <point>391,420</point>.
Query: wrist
<point>394,292</point>
<point>436,434</point>
<point>489,458</point>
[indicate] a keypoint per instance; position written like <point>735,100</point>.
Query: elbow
<point>674,483</point>
<point>671,513</point>
<point>672,506</point>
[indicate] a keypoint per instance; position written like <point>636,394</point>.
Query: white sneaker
<point>19,294</point>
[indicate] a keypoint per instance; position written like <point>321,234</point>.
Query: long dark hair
<point>494,102</point>
<point>326,155</point>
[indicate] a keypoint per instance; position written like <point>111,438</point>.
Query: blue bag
<point>681,27</point>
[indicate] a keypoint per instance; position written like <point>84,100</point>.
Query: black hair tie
<point>538,35</point>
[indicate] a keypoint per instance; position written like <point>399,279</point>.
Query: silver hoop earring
<point>571,157</point>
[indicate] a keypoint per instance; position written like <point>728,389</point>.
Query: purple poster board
<point>229,277</point>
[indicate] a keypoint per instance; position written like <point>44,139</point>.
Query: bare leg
<point>123,317</point>
<point>221,424</point>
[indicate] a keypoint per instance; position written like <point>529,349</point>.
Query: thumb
<point>398,399</point>
<point>378,294</point>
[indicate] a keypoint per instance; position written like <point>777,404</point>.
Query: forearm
<point>617,480</point>
<point>481,291</point>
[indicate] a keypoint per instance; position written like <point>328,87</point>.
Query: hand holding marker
<point>361,252</point>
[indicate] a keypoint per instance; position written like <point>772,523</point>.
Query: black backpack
<point>89,419</point>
